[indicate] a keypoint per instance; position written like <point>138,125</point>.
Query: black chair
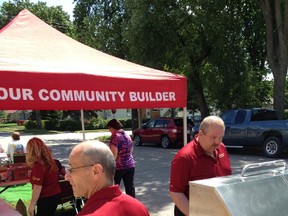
<point>19,158</point>
<point>67,196</point>
<point>21,208</point>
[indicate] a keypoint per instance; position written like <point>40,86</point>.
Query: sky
<point>67,5</point>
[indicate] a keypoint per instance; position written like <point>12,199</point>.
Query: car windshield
<point>178,122</point>
<point>161,123</point>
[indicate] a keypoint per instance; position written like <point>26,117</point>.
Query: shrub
<point>70,125</point>
<point>73,125</point>
<point>105,139</point>
<point>127,123</point>
<point>52,124</point>
<point>30,124</point>
<point>96,123</point>
<point>286,114</point>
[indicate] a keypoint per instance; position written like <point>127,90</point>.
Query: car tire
<point>137,140</point>
<point>272,147</point>
<point>165,142</point>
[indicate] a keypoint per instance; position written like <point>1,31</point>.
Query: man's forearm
<point>181,202</point>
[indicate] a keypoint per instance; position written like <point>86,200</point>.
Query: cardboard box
<point>20,173</point>
<point>3,176</point>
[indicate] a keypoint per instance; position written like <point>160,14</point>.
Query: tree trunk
<point>279,91</point>
<point>134,119</point>
<point>38,119</point>
<point>276,19</point>
<point>198,89</point>
<point>172,113</point>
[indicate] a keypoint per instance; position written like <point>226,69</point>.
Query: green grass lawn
<point>23,192</point>
<point>10,127</point>
<point>13,193</point>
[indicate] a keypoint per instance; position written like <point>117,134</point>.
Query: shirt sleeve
<point>37,174</point>
<point>114,140</point>
<point>180,174</point>
<point>10,149</point>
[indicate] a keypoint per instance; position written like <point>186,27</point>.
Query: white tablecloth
<point>3,159</point>
<point>7,210</point>
<point>3,155</point>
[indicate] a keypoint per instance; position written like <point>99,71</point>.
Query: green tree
<point>215,44</point>
<point>218,45</point>
<point>54,16</point>
<point>238,68</point>
<point>275,13</point>
<point>3,116</point>
<point>99,24</point>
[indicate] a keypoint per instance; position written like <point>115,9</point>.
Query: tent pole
<point>185,125</point>
<point>82,122</point>
<point>139,118</point>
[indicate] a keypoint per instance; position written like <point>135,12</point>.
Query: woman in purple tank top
<point>121,146</point>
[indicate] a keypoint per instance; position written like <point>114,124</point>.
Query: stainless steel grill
<point>260,190</point>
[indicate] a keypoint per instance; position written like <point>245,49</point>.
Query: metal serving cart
<point>260,190</point>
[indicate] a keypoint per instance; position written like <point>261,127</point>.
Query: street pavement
<point>152,166</point>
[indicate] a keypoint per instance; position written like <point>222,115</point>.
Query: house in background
<point>15,115</point>
<point>116,113</point>
<point>153,113</point>
<point>127,113</point>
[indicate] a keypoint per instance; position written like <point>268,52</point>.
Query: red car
<point>20,122</point>
<point>165,131</point>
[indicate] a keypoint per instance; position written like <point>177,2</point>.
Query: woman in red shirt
<point>43,177</point>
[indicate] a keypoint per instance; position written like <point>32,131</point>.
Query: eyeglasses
<point>70,169</point>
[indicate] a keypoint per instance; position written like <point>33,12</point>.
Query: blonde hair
<point>38,151</point>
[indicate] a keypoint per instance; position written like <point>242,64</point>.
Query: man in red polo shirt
<point>204,157</point>
<point>91,174</point>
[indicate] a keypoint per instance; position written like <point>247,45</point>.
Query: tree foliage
<point>99,24</point>
<point>240,57</point>
<point>217,45</point>
<point>54,16</point>
<point>3,116</point>
<point>220,46</point>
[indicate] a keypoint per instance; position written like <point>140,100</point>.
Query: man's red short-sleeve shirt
<point>191,163</point>
<point>111,201</point>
